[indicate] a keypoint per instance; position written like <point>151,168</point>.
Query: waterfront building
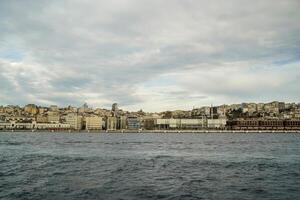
<point>53,117</point>
<point>167,123</point>
<point>111,123</point>
<point>216,123</point>
<point>180,123</point>
<point>149,123</point>
<point>122,122</point>
<point>51,126</point>
<point>19,118</point>
<point>74,120</point>
<point>5,125</point>
<point>133,122</point>
<point>262,124</point>
<point>93,123</point>
<point>192,123</point>
<point>21,125</point>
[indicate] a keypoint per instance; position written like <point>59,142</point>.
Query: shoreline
<point>149,131</point>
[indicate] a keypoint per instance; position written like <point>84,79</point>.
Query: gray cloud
<point>102,52</point>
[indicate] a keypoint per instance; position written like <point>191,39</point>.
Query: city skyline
<point>112,105</point>
<point>269,116</point>
<point>150,55</point>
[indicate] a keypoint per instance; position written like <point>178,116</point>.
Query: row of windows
<point>264,123</point>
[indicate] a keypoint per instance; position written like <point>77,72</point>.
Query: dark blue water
<point>149,166</point>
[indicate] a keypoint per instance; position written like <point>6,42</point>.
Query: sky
<point>153,55</point>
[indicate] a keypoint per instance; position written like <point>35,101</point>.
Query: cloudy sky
<point>150,54</point>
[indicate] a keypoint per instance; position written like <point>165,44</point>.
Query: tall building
<point>122,122</point>
<point>84,108</point>
<point>74,120</point>
<point>93,123</point>
<point>111,123</point>
<point>214,112</point>
<point>115,109</point>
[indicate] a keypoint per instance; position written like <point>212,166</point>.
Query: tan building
<point>31,109</point>
<point>41,118</point>
<point>74,120</point>
<point>93,123</point>
<point>53,117</point>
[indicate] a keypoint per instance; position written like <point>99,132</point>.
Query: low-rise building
<point>216,123</point>
<point>51,126</point>
<point>180,123</point>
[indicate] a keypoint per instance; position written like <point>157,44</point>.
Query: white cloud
<point>69,52</point>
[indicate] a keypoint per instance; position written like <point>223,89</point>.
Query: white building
<point>216,123</point>
<point>180,123</point>
<point>192,123</point>
<point>46,126</point>
<point>13,125</point>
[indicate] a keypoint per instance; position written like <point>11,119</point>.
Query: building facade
<point>74,120</point>
<point>93,123</point>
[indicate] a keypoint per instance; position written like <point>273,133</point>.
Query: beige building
<point>93,123</point>
<point>122,122</point>
<point>54,108</point>
<point>31,109</point>
<point>53,117</point>
<point>41,118</point>
<point>42,110</point>
<point>74,120</point>
<point>111,123</point>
